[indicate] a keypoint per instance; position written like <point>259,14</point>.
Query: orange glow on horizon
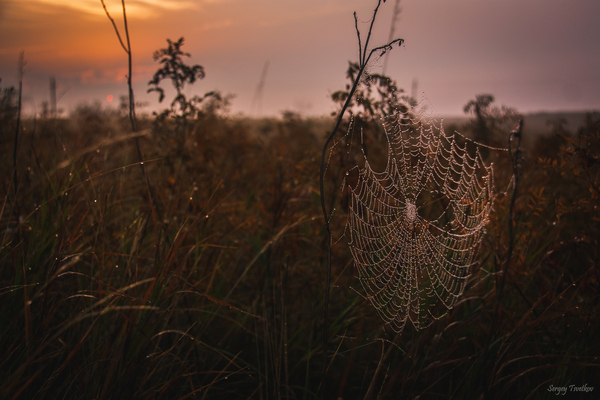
<point>526,64</point>
<point>86,46</point>
<point>109,98</point>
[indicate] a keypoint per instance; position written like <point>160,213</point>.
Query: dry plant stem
<point>18,127</point>
<point>155,213</point>
<point>371,389</point>
<point>115,25</point>
<point>363,61</point>
<point>131,98</point>
<point>516,164</point>
<point>384,355</point>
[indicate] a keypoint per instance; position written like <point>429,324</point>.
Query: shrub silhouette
<point>490,123</point>
<point>180,74</point>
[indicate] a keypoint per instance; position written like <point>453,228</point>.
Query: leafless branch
<point>115,26</point>
<point>363,61</point>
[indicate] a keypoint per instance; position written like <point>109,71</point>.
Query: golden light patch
<point>139,9</point>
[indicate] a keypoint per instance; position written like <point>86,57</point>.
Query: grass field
<point>207,279</point>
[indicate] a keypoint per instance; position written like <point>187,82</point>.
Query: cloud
<point>104,75</point>
<point>217,25</point>
<point>135,8</point>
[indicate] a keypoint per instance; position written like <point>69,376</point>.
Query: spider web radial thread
<point>415,227</point>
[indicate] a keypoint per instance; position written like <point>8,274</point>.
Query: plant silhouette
<point>378,97</point>
<point>364,56</point>
<point>180,74</point>
<point>490,122</point>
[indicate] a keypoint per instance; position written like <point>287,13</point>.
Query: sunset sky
<point>533,55</point>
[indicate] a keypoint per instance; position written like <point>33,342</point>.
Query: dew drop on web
<point>404,272</point>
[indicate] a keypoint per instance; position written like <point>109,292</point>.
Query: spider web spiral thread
<point>415,227</point>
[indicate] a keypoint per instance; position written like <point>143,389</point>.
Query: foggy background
<point>534,55</point>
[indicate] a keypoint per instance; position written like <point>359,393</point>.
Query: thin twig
<point>115,26</point>
<point>363,62</point>
<point>358,35</point>
<point>369,34</point>
<point>156,214</point>
<point>129,76</point>
<point>516,164</point>
<point>18,128</point>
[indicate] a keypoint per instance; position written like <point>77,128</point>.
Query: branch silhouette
<point>364,59</point>
<point>132,118</point>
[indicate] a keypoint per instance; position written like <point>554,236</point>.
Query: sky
<point>533,55</point>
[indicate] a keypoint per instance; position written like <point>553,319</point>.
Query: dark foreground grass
<point>216,289</point>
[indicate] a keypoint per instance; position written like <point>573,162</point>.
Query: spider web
<point>415,227</point>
